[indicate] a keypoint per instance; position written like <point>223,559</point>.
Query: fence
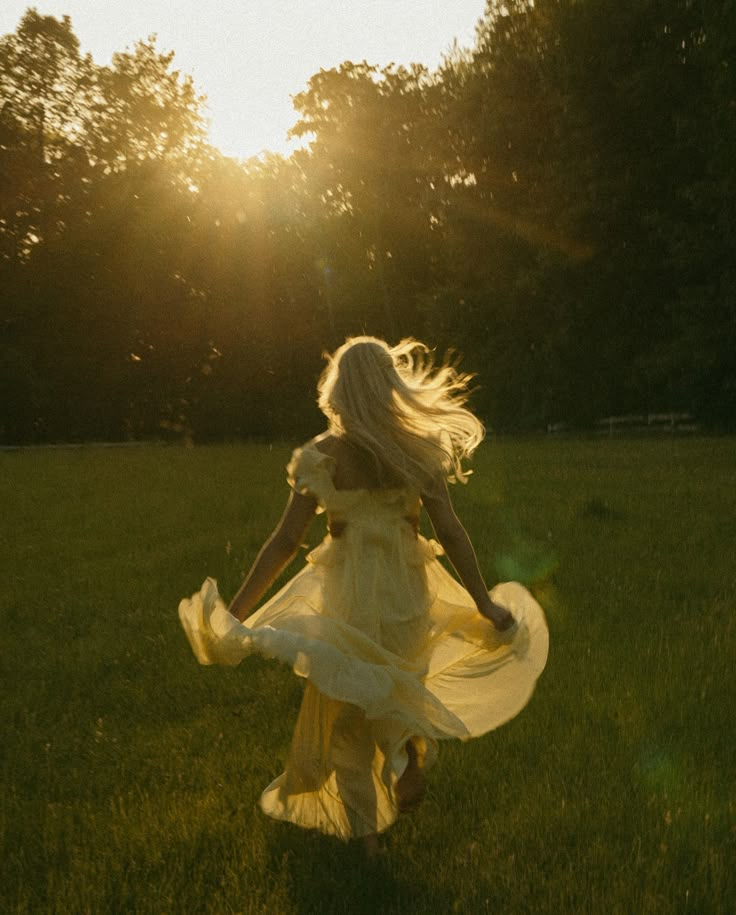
<point>672,423</point>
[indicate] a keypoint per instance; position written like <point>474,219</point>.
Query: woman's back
<point>353,467</point>
<point>370,572</point>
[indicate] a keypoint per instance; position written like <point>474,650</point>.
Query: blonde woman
<point>396,653</point>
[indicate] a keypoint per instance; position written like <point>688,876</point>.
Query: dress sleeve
<point>306,472</point>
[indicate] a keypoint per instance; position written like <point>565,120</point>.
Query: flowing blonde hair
<point>395,404</point>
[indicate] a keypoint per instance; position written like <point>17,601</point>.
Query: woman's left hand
<point>501,618</point>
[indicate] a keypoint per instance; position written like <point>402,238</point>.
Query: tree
<point>93,228</point>
<point>46,89</point>
<point>370,165</point>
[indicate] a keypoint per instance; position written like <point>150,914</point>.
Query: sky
<point>250,56</point>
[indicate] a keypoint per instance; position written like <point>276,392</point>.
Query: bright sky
<point>250,56</point>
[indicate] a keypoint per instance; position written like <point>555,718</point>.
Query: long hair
<point>408,414</point>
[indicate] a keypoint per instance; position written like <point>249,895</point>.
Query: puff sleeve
<point>308,473</point>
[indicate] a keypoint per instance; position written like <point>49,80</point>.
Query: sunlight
<point>251,58</point>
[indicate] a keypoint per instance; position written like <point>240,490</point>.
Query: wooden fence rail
<point>668,423</point>
<point>672,423</point>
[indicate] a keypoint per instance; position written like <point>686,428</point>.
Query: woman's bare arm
<point>459,550</point>
<point>275,554</point>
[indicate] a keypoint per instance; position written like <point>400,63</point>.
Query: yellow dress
<point>391,646</point>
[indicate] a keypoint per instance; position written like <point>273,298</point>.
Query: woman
<point>396,653</point>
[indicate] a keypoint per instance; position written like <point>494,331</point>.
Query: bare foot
<point>372,846</point>
<point>412,786</point>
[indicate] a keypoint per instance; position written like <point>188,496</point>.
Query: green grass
<point>130,775</point>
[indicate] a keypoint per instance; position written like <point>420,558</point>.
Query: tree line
<point>557,203</point>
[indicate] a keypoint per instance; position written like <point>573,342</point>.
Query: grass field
<point>130,775</point>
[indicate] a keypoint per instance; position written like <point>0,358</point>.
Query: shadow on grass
<point>327,875</point>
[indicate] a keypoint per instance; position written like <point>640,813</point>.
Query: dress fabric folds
<point>392,649</point>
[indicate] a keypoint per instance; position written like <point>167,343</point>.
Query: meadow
<point>130,775</point>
